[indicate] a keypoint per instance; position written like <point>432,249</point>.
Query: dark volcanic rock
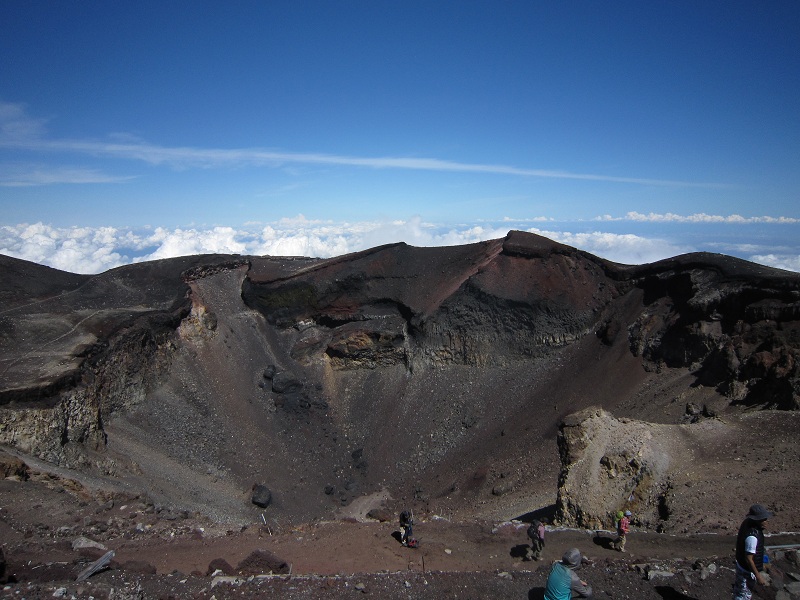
<point>736,325</point>
<point>286,383</point>
<point>480,304</point>
<point>380,514</point>
<point>11,466</point>
<point>262,562</point>
<point>79,347</point>
<point>262,496</point>
<point>139,566</point>
<point>219,564</point>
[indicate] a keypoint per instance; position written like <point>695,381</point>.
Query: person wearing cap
<point>563,583</point>
<point>750,552</point>
<point>623,526</point>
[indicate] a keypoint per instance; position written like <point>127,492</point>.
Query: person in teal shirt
<point>563,583</point>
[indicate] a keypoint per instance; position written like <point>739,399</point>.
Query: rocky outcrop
<point>607,465</point>
<point>483,304</point>
<point>260,562</point>
<point>686,477</point>
<point>71,355</point>
<point>12,467</point>
<point>736,325</point>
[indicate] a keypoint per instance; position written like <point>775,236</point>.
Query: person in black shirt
<point>750,552</point>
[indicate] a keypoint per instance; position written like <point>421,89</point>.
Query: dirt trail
<point>160,554</point>
<point>346,548</point>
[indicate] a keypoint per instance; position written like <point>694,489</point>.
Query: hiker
<point>406,529</point>
<point>750,552</point>
<point>563,583</point>
<point>536,535</point>
<point>623,526</point>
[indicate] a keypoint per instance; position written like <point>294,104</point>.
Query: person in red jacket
<point>623,526</point>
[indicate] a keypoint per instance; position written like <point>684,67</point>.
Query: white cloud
<point>75,249</point>
<point>627,249</point>
<point>188,157</point>
<point>15,124</point>
<point>93,250</point>
<point>696,218</point>
<point>788,262</point>
<point>530,220</point>
<point>304,243</point>
<point>185,242</point>
<point>25,175</point>
<point>86,250</point>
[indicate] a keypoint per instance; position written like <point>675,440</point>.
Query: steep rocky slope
<point>435,378</point>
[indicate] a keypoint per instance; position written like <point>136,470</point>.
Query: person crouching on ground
<point>750,552</point>
<point>563,583</point>
<point>406,528</point>
<point>623,526</point>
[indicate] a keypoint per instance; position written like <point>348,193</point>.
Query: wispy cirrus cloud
<point>20,132</point>
<point>188,157</point>
<point>16,124</point>
<point>696,218</point>
<point>27,175</point>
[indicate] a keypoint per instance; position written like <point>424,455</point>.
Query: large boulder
<point>261,562</point>
<point>262,496</point>
<point>681,477</point>
<point>608,464</point>
<point>12,467</point>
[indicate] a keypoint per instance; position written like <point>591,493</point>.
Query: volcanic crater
<point>243,398</point>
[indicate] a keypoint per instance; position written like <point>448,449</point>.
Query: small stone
<point>793,556</point>
<point>83,542</point>
<point>226,580</point>
<point>654,573</point>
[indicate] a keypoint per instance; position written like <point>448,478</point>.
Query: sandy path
<point>345,548</point>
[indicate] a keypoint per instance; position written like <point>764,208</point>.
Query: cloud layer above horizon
<point>96,249</point>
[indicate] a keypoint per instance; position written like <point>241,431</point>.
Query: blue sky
<point>634,130</point>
